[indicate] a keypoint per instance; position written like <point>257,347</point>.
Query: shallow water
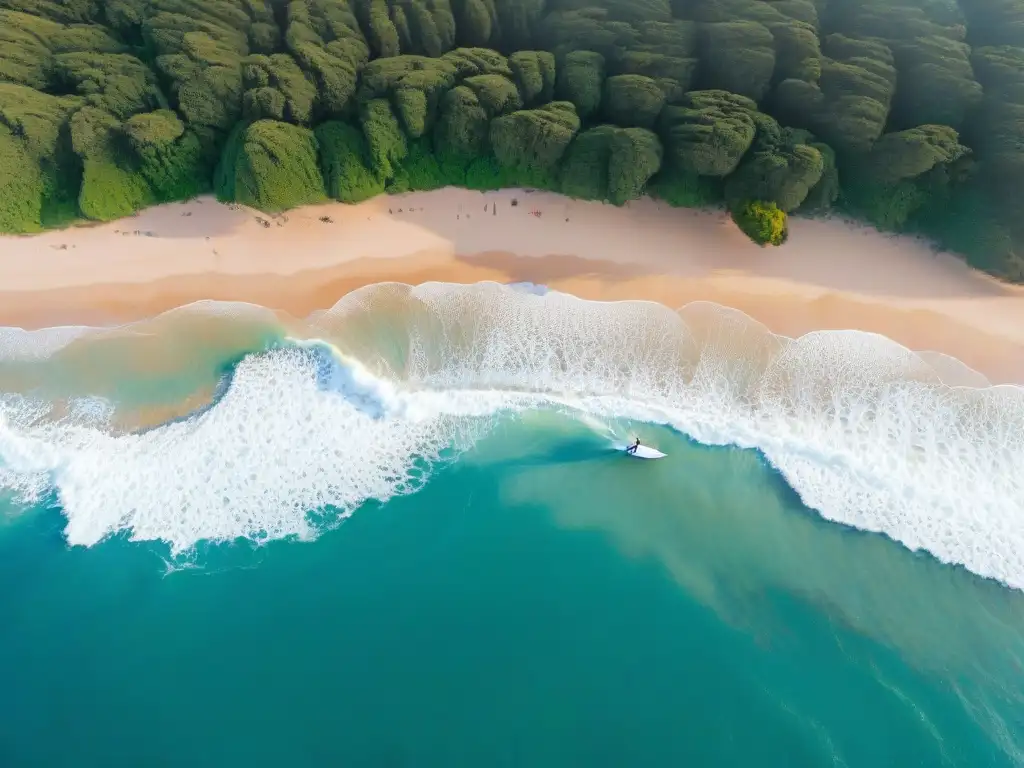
<point>403,534</point>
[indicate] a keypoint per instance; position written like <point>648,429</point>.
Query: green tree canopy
<point>708,133</point>
<point>763,222</point>
<point>534,139</point>
<point>611,163</point>
<point>276,88</point>
<point>275,167</point>
<point>345,163</point>
<point>581,81</point>
<point>534,74</point>
<point>632,101</point>
<point>781,169</point>
<point>737,56</point>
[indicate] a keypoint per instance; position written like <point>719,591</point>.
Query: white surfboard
<point>646,452</point>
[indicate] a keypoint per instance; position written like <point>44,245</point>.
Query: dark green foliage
<point>797,51</point>
<point>477,61</point>
<point>591,30</point>
<point>935,80</point>
<point>708,133</point>
<point>915,106</point>
<point>161,127</point>
<point>534,74</point>
<point>21,187</point>
<point>910,153</point>
<point>581,81</point>
<point>823,195</point>
<point>275,167</point>
<point>328,44</point>
<point>534,140</point>
<point>170,159</point>
<point>345,163</point>
<point>25,49</point>
<point>516,22</point>
<point>276,88</point>
<point>610,163</point>
<point>936,83</point>
<point>497,95</point>
<point>175,170</point>
<point>111,192</point>
<point>476,21</point>
<point>737,56</point>
<point>198,47</point>
<point>423,27</point>
<point>849,105</point>
<point>224,175</point>
<point>685,190</point>
<point>463,125</point>
<point>665,52</point>
<point>781,169</point>
<point>632,101</point>
<point>907,172</point>
<point>414,85</point>
<point>387,144</point>
<point>762,222</point>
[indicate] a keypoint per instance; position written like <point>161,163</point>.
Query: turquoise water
<point>346,558</point>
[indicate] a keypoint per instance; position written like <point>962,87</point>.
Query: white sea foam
<point>867,432</point>
<point>19,344</point>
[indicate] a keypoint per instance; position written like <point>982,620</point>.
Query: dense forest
<point>906,113</point>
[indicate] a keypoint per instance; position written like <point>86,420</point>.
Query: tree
<point>534,139</point>
<point>764,223</point>
<point>610,163</point>
<point>632,101</point>
<point>276,168</point>
<point>21,187</point>
<point>581,81</point>
<point>737,56</point>
<point>534,74</point>
<point>276,88</point>
<point>708,133</point>
<point>345,163</point>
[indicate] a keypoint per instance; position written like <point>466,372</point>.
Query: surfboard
<point>646,452</point>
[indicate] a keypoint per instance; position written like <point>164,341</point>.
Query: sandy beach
<point>829,275</point>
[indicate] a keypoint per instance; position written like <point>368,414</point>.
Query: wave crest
<point>869,433</point>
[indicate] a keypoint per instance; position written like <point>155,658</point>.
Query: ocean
<point>402,532</point>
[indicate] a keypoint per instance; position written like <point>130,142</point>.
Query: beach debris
<point>326,219</point>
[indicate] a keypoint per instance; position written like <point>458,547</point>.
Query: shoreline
<point>830,275</point>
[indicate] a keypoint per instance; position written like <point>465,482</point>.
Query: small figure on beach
<point>326,219</point>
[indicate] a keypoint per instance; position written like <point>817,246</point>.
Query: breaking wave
<point>358,402</point>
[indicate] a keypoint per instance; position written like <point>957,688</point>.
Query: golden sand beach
<point>831,274</point>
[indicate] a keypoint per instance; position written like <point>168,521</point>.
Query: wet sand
<point>830,274</point>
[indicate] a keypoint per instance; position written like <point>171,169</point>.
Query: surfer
<point>634,446</point>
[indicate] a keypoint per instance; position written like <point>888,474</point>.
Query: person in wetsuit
<point>634,446</point>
